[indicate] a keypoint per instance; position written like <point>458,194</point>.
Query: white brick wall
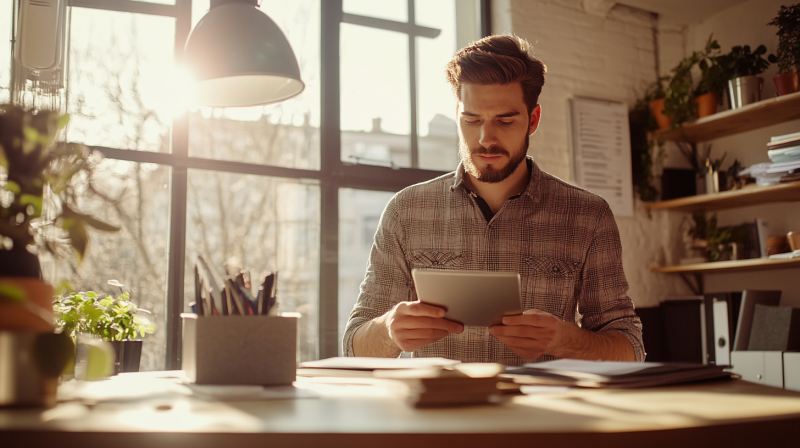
<point>610,58</point>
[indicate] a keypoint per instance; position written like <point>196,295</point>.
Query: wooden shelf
<point>754,264</point>
<point>753,116</point>
<point>744,197</point>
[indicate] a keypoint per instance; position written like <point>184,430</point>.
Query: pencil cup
<point>255,350</point>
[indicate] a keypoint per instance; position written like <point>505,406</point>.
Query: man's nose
<point>488,136</point>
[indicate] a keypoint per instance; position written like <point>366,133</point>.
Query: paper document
<point>366,363</point>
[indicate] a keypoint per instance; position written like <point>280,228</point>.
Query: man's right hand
<point>413,325</point>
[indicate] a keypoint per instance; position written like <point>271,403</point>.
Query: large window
<point>296,187</point>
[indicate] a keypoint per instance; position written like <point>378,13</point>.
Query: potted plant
<point>115,320</point>
<point>788,54</point>
<point>40,174</point>
<point>712,80</point>
<point>678,99</point>
<point>744,66</point>
<point>655,95</point>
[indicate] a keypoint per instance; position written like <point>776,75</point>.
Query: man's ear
<point>536,116</point>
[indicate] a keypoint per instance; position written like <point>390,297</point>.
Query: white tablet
<point>470,297</point>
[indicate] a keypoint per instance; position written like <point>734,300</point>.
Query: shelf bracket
<point>697,286</point>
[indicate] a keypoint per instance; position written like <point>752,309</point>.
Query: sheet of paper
<point>366,363</point>
<point>601,151</point>
<point>605,368</point>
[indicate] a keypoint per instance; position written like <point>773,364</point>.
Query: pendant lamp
<point>238,57</point>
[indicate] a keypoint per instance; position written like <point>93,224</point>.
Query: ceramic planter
<point>31,364</point>
<point>706,104</point>
<point>744,90</point>
<point>657,107</point>
<point>786,83</point>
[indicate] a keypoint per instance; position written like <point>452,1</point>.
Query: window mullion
<point>412,78</point>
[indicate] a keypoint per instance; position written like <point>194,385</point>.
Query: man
<point>498,212</point>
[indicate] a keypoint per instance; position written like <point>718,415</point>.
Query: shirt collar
<point>532,190</point>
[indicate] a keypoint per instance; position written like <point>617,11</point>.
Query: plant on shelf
<point>654,98</point>
<point>744,66</point>
<point>116,320</point>
<point>712,241</point>
<point>678,96</point>
<point>788,54</point>
<point>713,78</point>
<point>644,155</point>
<point>40,181</point>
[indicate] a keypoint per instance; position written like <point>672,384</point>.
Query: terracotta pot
<point>787,83</point>
<point>657,107</point>
<point>706,104</point>
<point>34,313</point>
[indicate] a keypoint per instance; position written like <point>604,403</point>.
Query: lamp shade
<point>239,57</point>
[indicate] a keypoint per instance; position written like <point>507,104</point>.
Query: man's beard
<point>490,174</point>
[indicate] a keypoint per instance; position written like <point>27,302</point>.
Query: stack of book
<point>426,382</point>
<point>784,152</point>
<point>601,374</point>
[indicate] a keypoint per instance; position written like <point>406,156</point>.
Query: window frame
<point>332,175</point>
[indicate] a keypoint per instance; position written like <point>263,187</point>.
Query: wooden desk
<point>722,413</point>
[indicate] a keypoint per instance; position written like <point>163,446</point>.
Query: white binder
<point>722,342</point>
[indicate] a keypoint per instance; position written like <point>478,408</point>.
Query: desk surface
<point>140,411</point>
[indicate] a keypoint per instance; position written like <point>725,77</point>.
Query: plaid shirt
<point>562,240</point>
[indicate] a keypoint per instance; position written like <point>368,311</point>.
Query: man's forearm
<point>577,343</point>
<point>372,339</point>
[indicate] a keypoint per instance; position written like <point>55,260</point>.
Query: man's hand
<point>535,333</point>
<point>413,325</point>
<point>529,334</point>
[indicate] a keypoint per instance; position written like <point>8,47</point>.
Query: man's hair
<point>498,60</point>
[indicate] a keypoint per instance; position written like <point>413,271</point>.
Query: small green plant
<point>788,23</point>
<point>741,62</point>
<point>678,96</point>
<point>714,240</point>
<point>713,76</point>
<point>101,315</point>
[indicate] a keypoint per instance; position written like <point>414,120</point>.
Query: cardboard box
<point>255,350</point>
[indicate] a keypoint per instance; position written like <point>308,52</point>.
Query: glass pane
<point>396,10</point>
<point>359,214</point>
<point>284,134</point>
<point>438,133</point>
<point>375,98</point>
<point>121,68</point>
<point>263,224</point>
<point>137,255</point>
<point>5,50</point>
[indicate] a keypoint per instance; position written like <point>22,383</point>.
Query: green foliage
<point>741,62</point>
<point>713,75</point>
<point>788,23</point>
<point>680,93</point>
<point>32,158</point>
<point>717,238</point>
<point>101,315</point>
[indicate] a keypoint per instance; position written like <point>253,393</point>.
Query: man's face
<point>493,128</point>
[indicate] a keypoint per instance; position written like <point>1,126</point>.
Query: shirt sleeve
<point>388,278</point>
<point>602,299</point>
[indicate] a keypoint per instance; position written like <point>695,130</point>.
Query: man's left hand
<point>529,334</point>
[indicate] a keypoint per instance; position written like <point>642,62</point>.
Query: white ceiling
<point>683,11</point>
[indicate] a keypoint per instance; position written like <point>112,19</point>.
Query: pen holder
<point>255,350</point>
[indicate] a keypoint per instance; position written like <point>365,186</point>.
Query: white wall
<point>611,58</point>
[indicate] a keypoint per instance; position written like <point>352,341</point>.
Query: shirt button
<point>555,268</point>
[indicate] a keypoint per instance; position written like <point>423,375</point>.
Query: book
<point>778,139</point>
<point>750,298</point>
<point>788,154</point>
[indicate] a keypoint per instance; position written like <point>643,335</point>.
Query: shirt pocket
<point>549,284</point>
<point>433,259</point>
